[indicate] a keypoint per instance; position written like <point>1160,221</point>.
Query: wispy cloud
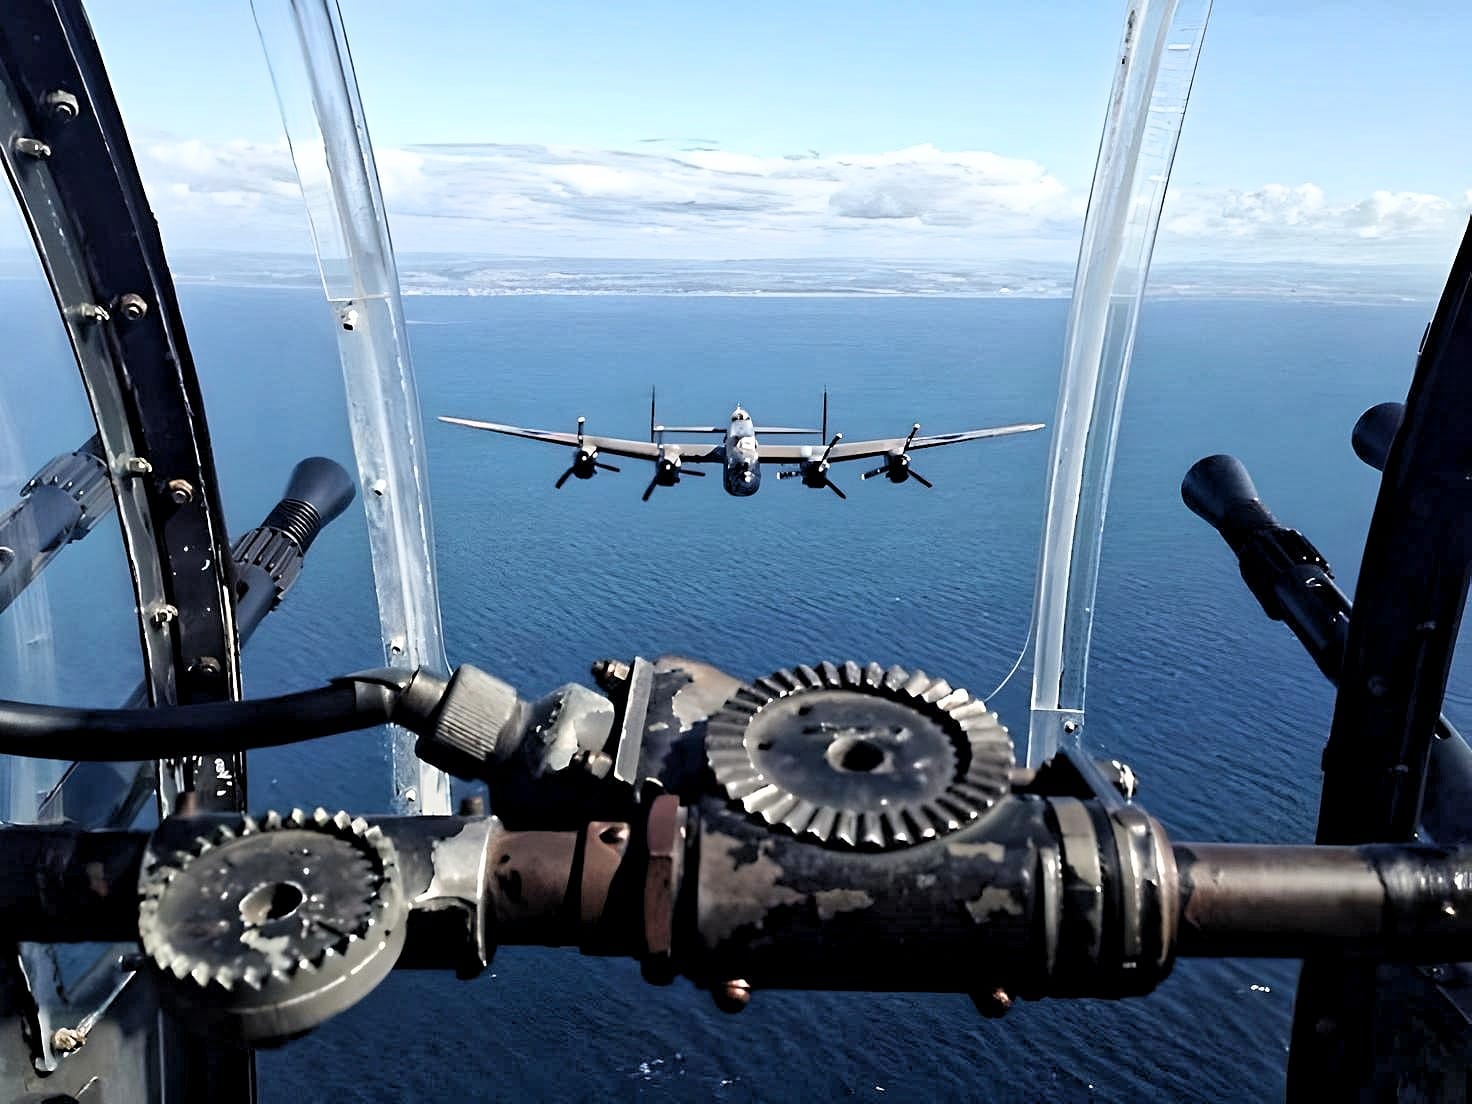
<point>687,198</point>
<point>1305,214</point>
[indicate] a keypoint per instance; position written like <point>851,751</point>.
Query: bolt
<point>1070,727</point>
<point>163,614</point>
<point>205,667</point>
<point>596,763</point>
<point>63,106</point>
<point>64,1040</point>
<point>993,1005</point>
<point>348,316</point>
<point>32,147</point>
<point>378,486</point>
<point>133,306</point>
<point>136,465</point>
<point>181,492</point>
<point>732,996</point>
<point>91,312</point>
<point>610,673</point>
<point>186,803</point>
<point>411,795</point>
<point>472,805</point>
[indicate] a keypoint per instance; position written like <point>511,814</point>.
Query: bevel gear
<point>264,929</point>
<point>859,757</point>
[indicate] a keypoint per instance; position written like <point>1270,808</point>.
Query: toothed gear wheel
<point>264,929</point>
<point>859,757</point>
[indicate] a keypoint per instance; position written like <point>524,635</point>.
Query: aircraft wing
<point>863,450</point>
<point>614,446</point>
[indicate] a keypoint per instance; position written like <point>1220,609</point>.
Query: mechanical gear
<point>859,757</point>
<point>264,929</point>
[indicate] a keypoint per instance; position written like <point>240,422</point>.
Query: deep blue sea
<point>1216,708</point>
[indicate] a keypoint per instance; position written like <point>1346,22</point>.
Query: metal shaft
<point>1398,903</point>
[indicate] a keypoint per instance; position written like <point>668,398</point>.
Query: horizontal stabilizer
<point>690,429</point>
<point>769,430</point>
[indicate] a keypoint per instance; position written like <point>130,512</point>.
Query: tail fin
<point>651,412</point>
<point>825,414</point>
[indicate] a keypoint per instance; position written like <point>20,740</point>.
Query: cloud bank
<point>676,200</point>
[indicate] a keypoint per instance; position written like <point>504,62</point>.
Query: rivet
<point>62,106</point>
<point>205,667</point>
<point>732,996</point>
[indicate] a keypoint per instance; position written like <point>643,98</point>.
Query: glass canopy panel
<point>68,626</point>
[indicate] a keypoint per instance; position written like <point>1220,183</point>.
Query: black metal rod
<point>1392,903</point>
<point>115,735</point>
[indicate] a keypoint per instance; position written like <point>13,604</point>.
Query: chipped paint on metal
<point>994,901</point>
<point>740,893</point>
<point>833,901</point>
<point>996,852</point>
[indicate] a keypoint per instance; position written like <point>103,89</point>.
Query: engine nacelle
<point>667,467</point>
<point>585,464</point>
<point>814,474</point>
<point>897,467</point>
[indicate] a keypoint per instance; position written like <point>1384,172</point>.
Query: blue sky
<point>1316,130</point>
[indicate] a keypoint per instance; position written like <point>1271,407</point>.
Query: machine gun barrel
<point>268,560</point>
<point>1286,573</point>
<point>1295,585</point>
<point>59,504</point>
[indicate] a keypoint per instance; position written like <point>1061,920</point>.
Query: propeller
<point>814,473</point>
<point>667,472</point>
<point>896,465</point>
<point>585,463</point>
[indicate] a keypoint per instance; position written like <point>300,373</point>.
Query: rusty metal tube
<point>1389,902</point>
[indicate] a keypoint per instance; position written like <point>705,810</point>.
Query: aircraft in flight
<point>740,454</point>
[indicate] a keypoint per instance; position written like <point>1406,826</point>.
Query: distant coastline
<point>448,275</point>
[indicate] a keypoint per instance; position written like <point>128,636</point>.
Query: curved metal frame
<point>67,156</point>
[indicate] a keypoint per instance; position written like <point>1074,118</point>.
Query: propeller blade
<point>606,467</point>
<point>876,471</point>
<point>788,474</point>
<point>923,481</point>
<point>832,486</point>
<point>692,471</point>
<point>649,490</point>
<point>914,429</point>
<point>836,438</point>
<point>561,479</point>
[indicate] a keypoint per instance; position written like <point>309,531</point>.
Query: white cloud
<point>1285,218</point>
<point>670,199</point>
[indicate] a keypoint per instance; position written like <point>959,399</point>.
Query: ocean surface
<point>1216,708</point>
